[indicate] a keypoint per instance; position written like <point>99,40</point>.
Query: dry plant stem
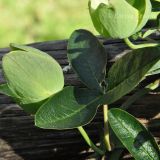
<point>89,141</point>
<point>106,128</point>
<point>138,46</point>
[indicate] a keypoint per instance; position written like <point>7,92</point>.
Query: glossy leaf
<point>127,72</point>
<point>88,58</point>
<point>70,108</point>
<point>134,136</point>
<point>32,76</point>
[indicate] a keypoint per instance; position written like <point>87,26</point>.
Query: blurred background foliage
<point>27,21</point>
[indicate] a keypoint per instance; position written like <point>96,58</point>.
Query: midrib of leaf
<point>133,138</point>
<point>73,113</point>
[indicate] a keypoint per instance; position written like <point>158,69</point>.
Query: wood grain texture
<point>20,140</point>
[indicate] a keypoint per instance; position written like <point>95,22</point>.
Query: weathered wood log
<point>21,140</point>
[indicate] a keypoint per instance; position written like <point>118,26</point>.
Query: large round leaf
<point>70,108</point>
<point>88,58</point>
<point>133,135</point>
<point>33,76</point>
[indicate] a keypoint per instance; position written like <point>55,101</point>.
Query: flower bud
<point>119,18</point>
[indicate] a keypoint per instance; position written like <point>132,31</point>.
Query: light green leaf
<point>149,32</point>
<point>16,47</point>
<point>32,76</point>
<point>70,108</point>
<point>88,58</point>
<point>144,7</point>
<point>127,72</point>
<point>118,19</point>
<point>134,136</point>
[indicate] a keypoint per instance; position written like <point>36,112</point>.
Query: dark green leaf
<point>139,94</point>
<point>136,96</point>
<point>134,136</point>
<point>127,72</point>
<point>88,58</point>
<point>155,69</point>
<point>155,5</point>
<point>116,154</point>
<point>70,108</point>
<point>32,108</point>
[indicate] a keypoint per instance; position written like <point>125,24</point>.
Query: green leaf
<point>118,19</point>
<point>88,58</point>
<point>16,47</point>
<point>70,108</point>
<point>155,5</point>
<point>136,96</point>
<point>134,136</point>
<point>144,7</point>
<point>4,89</point>
<point>139,94</point>
<point>32,76</point>
<point>149,32</point>
<point>127,72</point>
<point>155,69</point>
<point>30,108</point>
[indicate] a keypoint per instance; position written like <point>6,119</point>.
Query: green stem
<point>134,46</point>
<point>106,128</point>
<point>89,141</point>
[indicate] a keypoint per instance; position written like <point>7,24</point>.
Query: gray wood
<point>20,140</point>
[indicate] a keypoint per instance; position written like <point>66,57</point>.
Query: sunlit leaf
<point>118,19</point>
<point>134,136</point>
<point>88,58</point>
<point>33,76</point>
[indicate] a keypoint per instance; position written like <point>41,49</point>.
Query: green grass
<point>27,21</point>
